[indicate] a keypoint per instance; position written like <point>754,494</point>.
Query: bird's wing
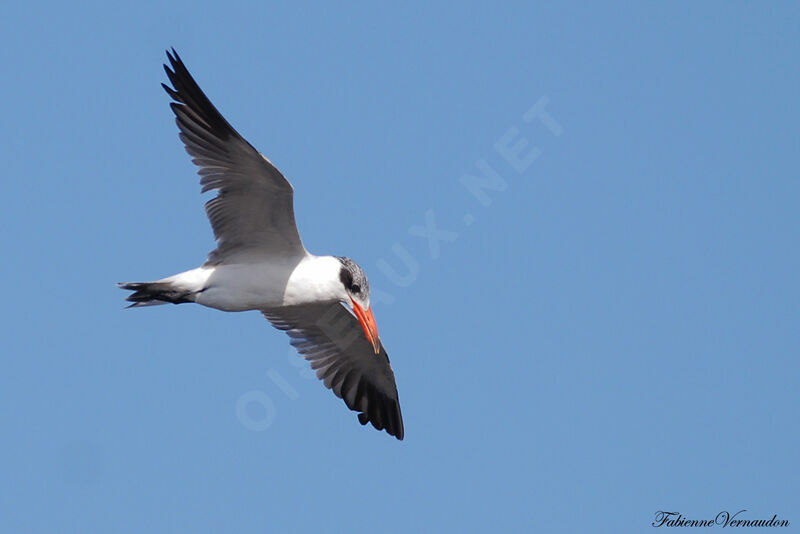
<point>252,214</point>
<point>330,337</point>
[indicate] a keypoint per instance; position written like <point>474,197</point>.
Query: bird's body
<point>260,263</point>
<point>271,283</point>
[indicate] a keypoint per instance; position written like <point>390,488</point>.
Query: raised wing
<point>252,215</point>
<point>329,337</point>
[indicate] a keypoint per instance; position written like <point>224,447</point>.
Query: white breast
<point>315,279</point>
<point>256,286</point>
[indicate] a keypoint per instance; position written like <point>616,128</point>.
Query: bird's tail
<point>154,293</point>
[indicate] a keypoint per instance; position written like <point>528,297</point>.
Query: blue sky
<point>615,331</point>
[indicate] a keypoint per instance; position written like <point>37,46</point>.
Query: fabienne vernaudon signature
<point>722,519</point>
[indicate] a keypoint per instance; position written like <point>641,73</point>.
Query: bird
<point>260,263</point>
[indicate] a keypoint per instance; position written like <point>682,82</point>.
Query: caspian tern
<point>260,263</point>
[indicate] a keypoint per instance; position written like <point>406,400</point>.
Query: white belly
<point>257,286</point>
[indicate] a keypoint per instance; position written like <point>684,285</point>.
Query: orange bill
<point>368,324</point>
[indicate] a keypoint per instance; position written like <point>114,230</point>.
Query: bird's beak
<point>368,324</point>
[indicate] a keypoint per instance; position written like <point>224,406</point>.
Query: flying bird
<point>260,263</point>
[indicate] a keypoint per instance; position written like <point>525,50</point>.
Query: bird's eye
<point>355,288</point>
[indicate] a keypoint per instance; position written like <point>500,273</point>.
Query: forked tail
<point>154,293</point>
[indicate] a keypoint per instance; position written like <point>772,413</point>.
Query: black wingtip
<point>175,62</point>
<point>172,55</point>
<point>395,430</point>
<point>186,92</point>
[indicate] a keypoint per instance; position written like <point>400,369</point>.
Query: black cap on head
<point>353,278</point>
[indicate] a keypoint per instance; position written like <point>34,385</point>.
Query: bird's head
<point>356,288</point>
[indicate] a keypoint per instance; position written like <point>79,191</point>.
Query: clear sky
<point>605,326</point>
